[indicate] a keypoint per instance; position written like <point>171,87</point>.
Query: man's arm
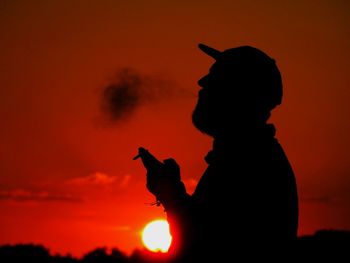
<point>164,182</point>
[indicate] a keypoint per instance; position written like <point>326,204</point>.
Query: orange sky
<point>68,180</point>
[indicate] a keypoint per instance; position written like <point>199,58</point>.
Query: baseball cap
<point>257,68</point>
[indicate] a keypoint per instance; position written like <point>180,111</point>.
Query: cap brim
<point>210,51</point>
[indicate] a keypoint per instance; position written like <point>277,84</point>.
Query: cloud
<point>21,195</point>
<point>101,179</point>
<point>97,178</point>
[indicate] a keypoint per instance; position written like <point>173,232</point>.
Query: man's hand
<point>163,178</point>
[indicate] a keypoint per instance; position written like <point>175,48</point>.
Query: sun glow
<point>156,236</point>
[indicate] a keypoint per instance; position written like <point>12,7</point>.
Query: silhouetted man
<point>246,200</point>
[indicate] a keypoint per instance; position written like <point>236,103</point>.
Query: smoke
<point>121,97</point>
<point>131,89</point>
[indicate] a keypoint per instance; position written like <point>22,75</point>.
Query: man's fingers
<point>171,162</point>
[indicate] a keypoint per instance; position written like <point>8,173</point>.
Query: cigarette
<point>136,157</point>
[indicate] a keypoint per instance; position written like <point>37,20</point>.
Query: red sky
<point>68,180</point>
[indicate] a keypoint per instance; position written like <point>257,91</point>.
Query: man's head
<point>242,86</point>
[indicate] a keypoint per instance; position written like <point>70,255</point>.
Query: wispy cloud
<point>97,178</point>
<point>20,195</point>
<point>101,179</point>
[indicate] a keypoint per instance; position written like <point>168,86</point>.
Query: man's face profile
<point>212,100</point>
<point>241,88</point>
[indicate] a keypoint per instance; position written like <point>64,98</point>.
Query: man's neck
<point>247,130</point>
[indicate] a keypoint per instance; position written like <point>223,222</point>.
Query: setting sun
<point>156,236</point>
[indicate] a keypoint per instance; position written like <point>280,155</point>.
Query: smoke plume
<point>131,89</point>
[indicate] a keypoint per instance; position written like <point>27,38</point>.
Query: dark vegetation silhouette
<point>38,253</point>
<point>332,245</point>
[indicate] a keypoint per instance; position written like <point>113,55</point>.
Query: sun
<point>156,236</point>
